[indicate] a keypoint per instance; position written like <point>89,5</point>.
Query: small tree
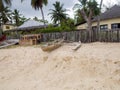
<point>88,9</point>
<point>16,17</point>
<point>78,17</point>
<point>69,22</point>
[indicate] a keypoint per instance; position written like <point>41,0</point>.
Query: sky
<point>26,9</point>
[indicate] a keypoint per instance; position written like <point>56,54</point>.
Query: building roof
<point>30,23</point>
<point>113,12</point>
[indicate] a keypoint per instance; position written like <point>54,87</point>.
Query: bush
<point>67,26</point>
<point>51,29</point>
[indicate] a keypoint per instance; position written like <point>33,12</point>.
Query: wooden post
<point>118,35</point>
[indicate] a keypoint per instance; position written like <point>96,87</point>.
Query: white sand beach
<point>94,66</point>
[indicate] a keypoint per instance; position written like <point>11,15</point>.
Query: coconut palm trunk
<point>38,4</point>
<point>43,16</point>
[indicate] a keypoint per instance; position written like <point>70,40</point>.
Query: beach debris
<point>7,43</point>
<point>77,46</point>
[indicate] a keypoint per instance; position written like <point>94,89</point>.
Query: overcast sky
<point>26,9</point>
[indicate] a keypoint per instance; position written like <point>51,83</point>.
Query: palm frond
<point>76,6</point>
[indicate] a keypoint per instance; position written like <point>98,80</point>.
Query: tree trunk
<point>98,24</point>
<point>89,30</point>
<point>89,23</point>
<point>43,17</point>
<point>0,32</point>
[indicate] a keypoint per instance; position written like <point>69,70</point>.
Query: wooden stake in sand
<point>77,46</point>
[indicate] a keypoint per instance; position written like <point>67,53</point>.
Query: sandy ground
<point>94,66</point>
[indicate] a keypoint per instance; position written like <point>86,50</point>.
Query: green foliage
<point>58,14</point>
<point>37,4</point>
<point>51,29</point>
<point>93,5</point>
<point>88,8</point>
<point>22,20</point>
<point>78,17</point>
<point>66,26</point>
<point>14,17</point>
<point>40,20</point>
<point>5,15</point>
<point>18,19</point>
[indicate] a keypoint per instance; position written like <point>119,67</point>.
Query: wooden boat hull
<point>50,47</point>
<point>7,43</point>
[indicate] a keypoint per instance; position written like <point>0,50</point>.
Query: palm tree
<point>88,9</point>
<point>101,4</point>
<point>5,15</point>
<point>2,5</point>
<point>58,13</point>
<point>2,2</point>
<point>16,17</point>
<point>38,4</point>
<point>22,20</point>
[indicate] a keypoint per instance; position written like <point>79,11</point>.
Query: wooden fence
<point>110,35</point>
<point>82,35</point>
